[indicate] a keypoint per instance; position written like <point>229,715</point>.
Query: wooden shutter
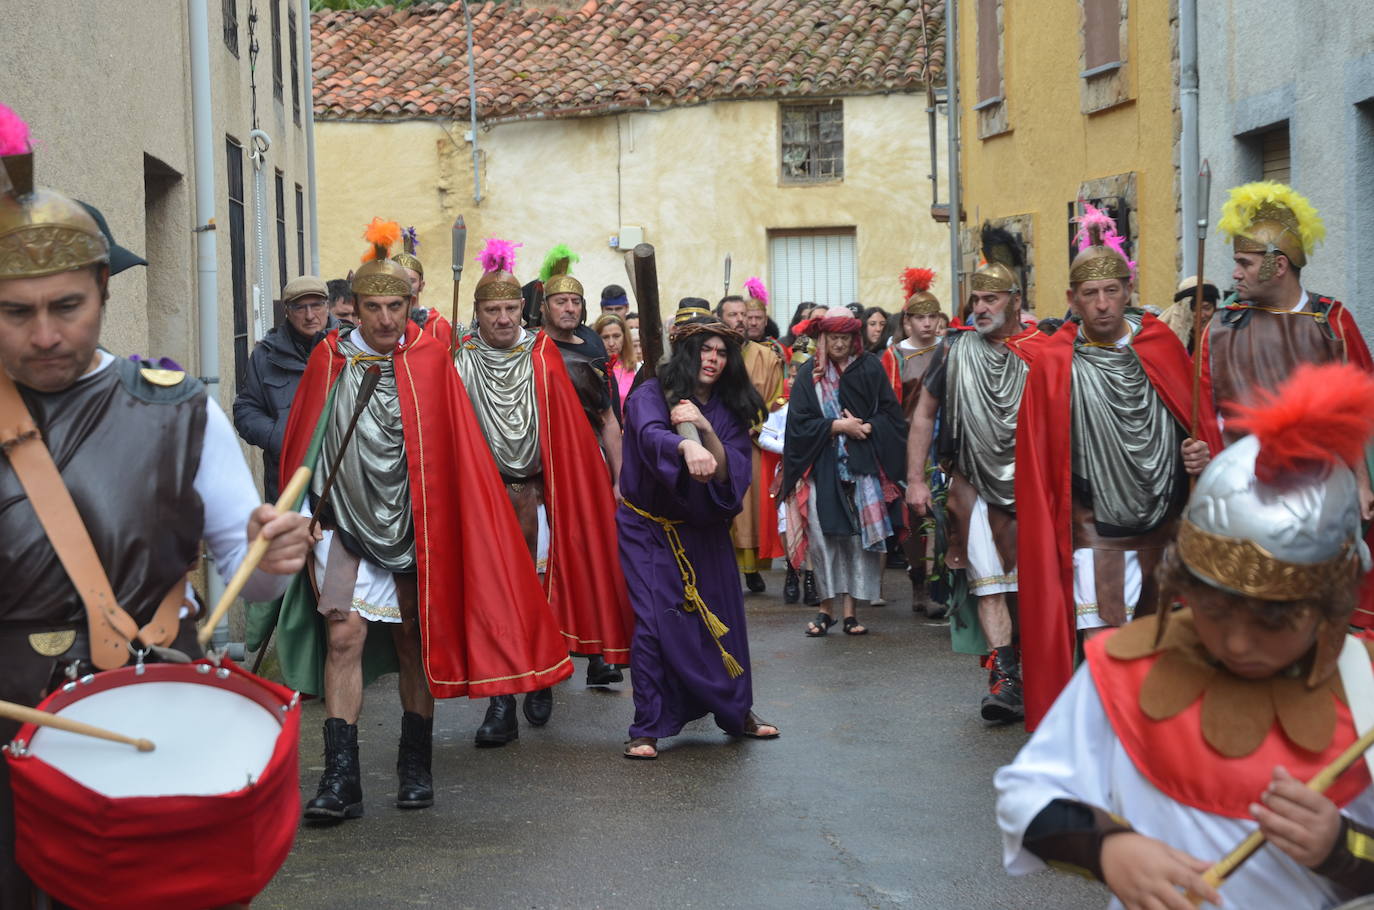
<point>815,265</point>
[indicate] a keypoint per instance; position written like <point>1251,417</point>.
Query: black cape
<point>867,394</point>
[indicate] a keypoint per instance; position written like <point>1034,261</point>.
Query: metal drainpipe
<point>1189,153</point>
<point>952,129</point>
<point>207,249</point>
<point>311,186</point>
<point>472,107</point>
<point>258,144</point>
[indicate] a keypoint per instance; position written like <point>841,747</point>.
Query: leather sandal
<point>817,627</point>
<point>852,627</point>
<point>753,722</point>
<point>640,742</point>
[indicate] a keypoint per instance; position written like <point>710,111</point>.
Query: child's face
<point>1248,643</point>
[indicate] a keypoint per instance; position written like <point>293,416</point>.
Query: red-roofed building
<point>792,135</point>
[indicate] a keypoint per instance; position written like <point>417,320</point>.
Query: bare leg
<point>343,666</point>
<point>415,694</point>
<point>995,618</point>
<point>855,628</point>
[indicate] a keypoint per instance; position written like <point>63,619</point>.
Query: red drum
<point>205,819</point>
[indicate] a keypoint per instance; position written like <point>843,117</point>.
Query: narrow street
<point>878,794</point>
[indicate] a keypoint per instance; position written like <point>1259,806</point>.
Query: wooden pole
<point>256,551</point>
<point>58,722</point>
<point>1318,784</point>
<point>1204,190</point>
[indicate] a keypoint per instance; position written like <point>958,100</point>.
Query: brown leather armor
<point>128,451</point>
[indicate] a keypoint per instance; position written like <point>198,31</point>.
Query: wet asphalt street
<point>877,795</point>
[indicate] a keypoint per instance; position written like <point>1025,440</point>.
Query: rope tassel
<point>692,601</point>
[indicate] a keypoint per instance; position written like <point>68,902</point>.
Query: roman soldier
<point>974,385</point>
<point>427,318</point>
<point>756,318</point>
<point>1190,730</point>
<point>764,366</point>
<point>905,362</point>
<point>443,571</point>
<point>1276,324</point>
<point>563,317</point>
<point>101,527</point>
<point>555,476</point>
<point>1104,452</point>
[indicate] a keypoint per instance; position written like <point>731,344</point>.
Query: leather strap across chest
<point>112,629</point>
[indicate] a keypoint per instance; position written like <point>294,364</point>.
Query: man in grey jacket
<point>274,371</point>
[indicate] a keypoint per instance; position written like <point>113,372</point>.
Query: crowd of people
<point>1043,483</point>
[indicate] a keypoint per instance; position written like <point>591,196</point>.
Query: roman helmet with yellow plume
<point>1271,218</point>
<point>379,275</point>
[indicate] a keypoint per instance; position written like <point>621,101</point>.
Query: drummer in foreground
<point>1188,729</point>
<point>149,458</point>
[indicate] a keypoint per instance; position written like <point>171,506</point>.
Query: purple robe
<point>676,667</point>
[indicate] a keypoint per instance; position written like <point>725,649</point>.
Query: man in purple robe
<point>690,652</point>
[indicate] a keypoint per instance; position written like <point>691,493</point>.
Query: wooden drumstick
<point>58,722</point>
<point>1319,783</point>
<point>256,551</point>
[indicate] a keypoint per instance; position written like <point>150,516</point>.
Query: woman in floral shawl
<point>844,452</point>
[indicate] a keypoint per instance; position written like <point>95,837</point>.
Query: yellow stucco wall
<point>1036,168</point>
<point>701,182</point>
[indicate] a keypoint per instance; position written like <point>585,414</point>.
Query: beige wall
<point>106,85</point>
<point>701,181</point>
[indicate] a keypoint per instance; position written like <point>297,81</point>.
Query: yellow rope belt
<point>368,358</point>
<point>691,597</point>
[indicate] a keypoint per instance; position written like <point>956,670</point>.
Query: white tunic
<point>1075,755</point>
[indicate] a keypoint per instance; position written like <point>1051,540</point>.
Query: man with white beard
<point>974,385</point>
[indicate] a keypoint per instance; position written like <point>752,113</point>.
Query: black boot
<point>810,596</point>
<point>791,587</point>
<point>538,706</point>
<point>500,725</point>
<point>416,790</point>
<point>600,673</point>
<point>754,582</point>
<point>340,794</point>
<point>1003,703</point>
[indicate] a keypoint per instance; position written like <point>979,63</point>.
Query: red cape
<point>1356,352</point>
<point>438,326</point>
<point>1044,505</point>
<point>585,586</point>
<point>893,371</point>
<point>1172,754</point>
<point>483,624</point>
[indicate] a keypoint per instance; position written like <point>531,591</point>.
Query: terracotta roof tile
<point>390,64</point>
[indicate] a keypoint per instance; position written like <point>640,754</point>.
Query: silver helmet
<point>1281,543</point>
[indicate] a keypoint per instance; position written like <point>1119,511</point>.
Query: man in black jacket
<point>274,371</point>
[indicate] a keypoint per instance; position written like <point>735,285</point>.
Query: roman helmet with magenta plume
<point>1101,250</point>
<point>42,231</point>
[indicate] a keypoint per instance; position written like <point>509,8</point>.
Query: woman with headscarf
<point>844,453</point>
<point>690,651</point>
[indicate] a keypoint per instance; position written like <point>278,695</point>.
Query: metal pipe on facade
<point>472,108</point>
<point>207,249</point>
<point>203,156</point>
<point>1189,151</point>
<point>311,186</point>
<point>952,131</point>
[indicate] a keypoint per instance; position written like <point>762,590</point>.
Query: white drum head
<point>209,741</point>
